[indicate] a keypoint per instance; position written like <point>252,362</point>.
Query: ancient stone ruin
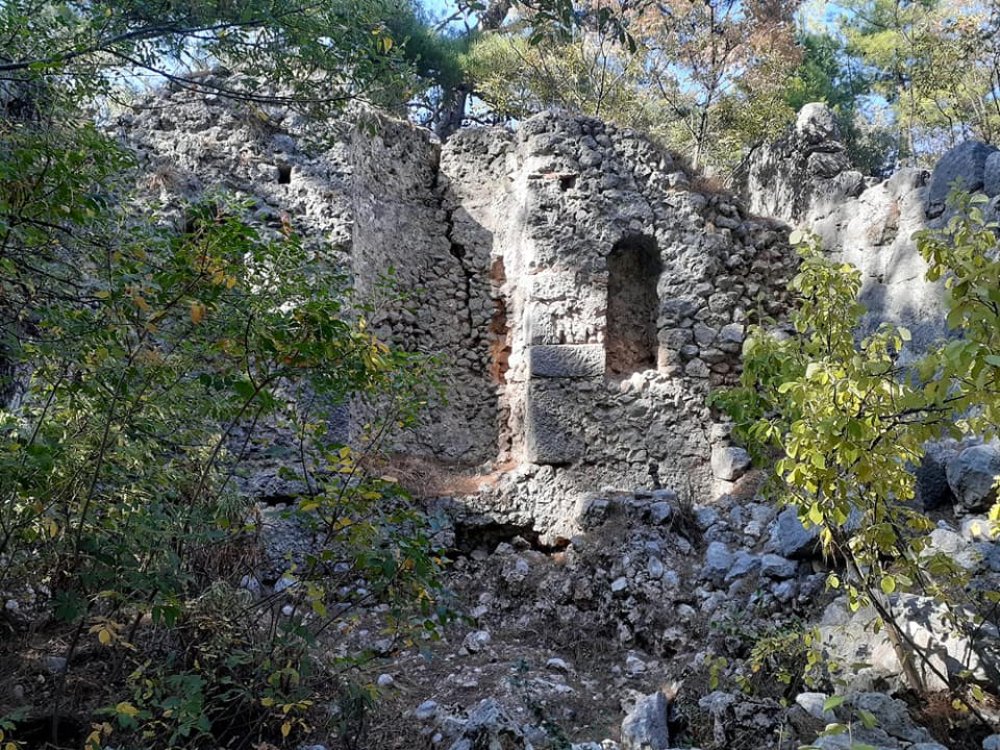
<point>585,296</point>
<point>584,292</point>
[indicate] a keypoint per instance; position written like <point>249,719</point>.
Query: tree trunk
<point>455,101</point>
<point>452,112</point>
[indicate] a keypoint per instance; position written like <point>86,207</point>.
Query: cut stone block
<point>566,361</point>
<point>552,435</point>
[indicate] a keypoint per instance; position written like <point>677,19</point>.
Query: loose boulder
<point>965,164</point>
<point>971,477</point>
<point>487,726</point>
<point>789,538</point>
<point>645,727</point>
<point>950,652</point>
<point>991,175</point>
<point>729,462</point>
<point>933,490</point>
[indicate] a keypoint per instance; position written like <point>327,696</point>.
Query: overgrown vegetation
<point>715,79</point>
<point>847,419</point>
<point>142,359</point>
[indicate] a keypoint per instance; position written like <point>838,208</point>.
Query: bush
<point>847,419</point>
<point>147,360</point>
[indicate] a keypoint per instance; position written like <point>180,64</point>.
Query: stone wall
<point>509,243</point>
<point>285,170</point>
<point>191,146</point>
<point>411,227</point>
<point>582,296</point>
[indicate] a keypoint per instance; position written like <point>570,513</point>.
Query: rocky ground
<point>640,633</point>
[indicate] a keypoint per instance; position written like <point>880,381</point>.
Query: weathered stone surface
<point>804,175</point>
<point>933,489</point>
<point>744,563</point>
<point>509,241</point>
<point>565,254</point>
<point>566,361</point>
<point>776,566</point>
<point>972,475</point>
<point>488,725</point>
<point>893,716</point>
<point>991,175</point>
<point>875,233</point>
<point>964,552</point>
<point>476,641</point>
<point>812,704</point>
<point>892,727</point>
<point>849,639</point>
<point>551,436</point>
<point>718,561</point>
<point>817,123</point>
<point>660,512</point>
<point>964,165</point>
<point>729,462</point>
<point>645,727</point>
<point>806,180</point>
<point>789,538</point>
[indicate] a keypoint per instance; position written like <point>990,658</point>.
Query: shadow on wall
<point>634,269</point>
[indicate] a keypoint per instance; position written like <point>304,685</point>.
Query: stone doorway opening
<point>630,342</point>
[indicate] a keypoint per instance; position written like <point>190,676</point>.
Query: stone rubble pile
<point>668,588</point>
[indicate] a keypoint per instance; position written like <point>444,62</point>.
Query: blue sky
<point>439,8</point>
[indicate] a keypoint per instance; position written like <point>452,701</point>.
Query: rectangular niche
<point>630,342</point>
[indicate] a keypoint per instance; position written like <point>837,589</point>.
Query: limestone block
<point>817,123</point>
<point>566,361</point>
<point>645,727</point>
<point>972,475</point>
<point>729,462</point>
<point>927,623</point>
<point>552,434</point>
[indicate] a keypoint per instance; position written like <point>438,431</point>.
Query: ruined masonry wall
<point>500,244</point>
<point>405,225</point>
<point>511,240</point>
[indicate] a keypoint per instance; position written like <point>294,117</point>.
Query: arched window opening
<point>630,336</point>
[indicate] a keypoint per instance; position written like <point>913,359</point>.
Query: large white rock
<point>645,727</point>
<point>869,660</point>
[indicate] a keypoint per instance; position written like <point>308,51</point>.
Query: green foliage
<point>846,420</point>
<point>315,54</point>
<point>934,61</point>
<point>786,656</point>
<point>517,79</point>
<point>154,357</point>
<point>141,361</point>
<point>821,75</point>
<point>436,56</point>
<point>828,74</point>
<point>963,372</point>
